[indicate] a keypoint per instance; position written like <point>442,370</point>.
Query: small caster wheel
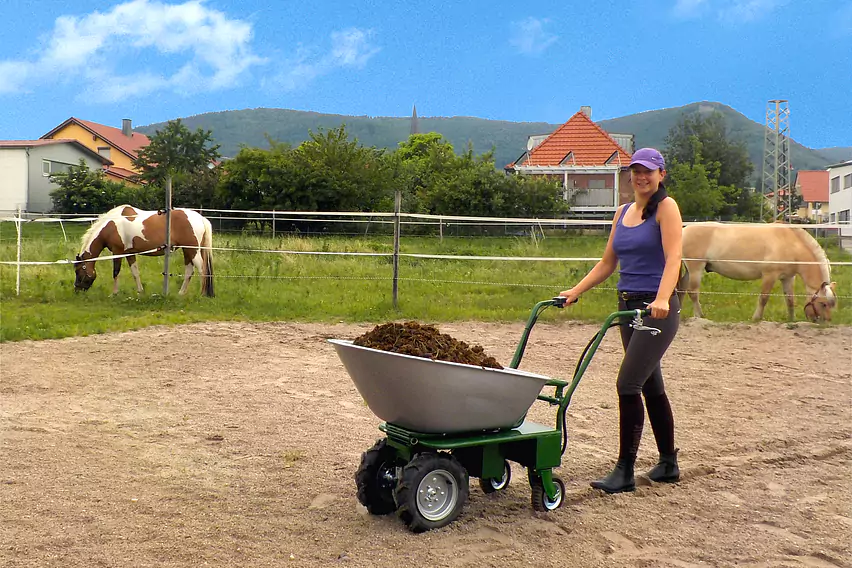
<point>540,500</point>
<point>494,484</point>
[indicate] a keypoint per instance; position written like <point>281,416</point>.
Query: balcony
<point>603,197</point>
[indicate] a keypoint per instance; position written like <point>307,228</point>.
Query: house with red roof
<point>26,166</point>
<point>591,163</point>
<point>840,199</point>
<point>812,185</point>
<point>119,145</point>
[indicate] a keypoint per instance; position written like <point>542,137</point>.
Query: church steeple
<point>414,127</point>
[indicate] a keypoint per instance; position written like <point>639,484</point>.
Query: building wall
<point>60,157</point>
<point>840,200</point>
<point>77,132</point>
<point>13,180</point>
<point>813,210</point>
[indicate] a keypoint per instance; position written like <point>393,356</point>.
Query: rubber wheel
<point>540,500</point>
<point>376,478</point>
<point>493,484</point>
<point>432,491</point>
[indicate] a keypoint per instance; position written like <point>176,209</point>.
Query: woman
<point>645,243</point>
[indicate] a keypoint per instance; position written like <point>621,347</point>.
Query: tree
<point>263,179</point>
<point>176,150</point>
<point>341,174</point>
<point>696,139</point>
<point>83,190</point>
<point>440,182</point>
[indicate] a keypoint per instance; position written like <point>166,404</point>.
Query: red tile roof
<point>813,185</point>
<point>128,145</point>
<point>52,141</point>
<point>120,172</point>
<point>588,144</point>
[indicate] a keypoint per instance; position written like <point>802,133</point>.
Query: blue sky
<point>152,61</point>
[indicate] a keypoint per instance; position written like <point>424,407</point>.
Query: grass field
<point>264,286</point>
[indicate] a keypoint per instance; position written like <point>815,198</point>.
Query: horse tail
<point>682,283</point>
<point>207,260</point>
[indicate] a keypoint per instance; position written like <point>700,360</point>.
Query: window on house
<point>847,181</point>
<point>59,168</point>
<point>843,217</point>
<point>45,168</point>
<point>832,218</point>
<point>104,151</point>
<point>835,184</point>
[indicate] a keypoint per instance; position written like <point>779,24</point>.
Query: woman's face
<point>645,181</point>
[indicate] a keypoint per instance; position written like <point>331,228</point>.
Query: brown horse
<point>125,229</point>
<point>759,252</point>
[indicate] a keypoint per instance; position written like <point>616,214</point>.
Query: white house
<point>25,167</point>
<point>840,196</point>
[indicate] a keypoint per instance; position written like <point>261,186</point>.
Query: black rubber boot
<point>666,470</point>
<point>619,480</point>
<point>631,418</point>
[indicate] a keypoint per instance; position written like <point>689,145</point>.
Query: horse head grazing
<point>821,303</point>
<point>85,274</point>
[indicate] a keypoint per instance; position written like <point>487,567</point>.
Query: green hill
<point>836,155</point>
<point>233,129</point>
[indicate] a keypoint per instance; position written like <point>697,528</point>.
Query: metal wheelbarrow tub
<point>438,397</point>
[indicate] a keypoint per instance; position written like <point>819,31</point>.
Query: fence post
<point>168,242</point>
<point>18,222</point>
<point>397,205</point>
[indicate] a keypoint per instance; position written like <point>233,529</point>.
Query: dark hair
<point>651,206</point>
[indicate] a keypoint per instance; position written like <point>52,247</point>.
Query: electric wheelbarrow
<point>445,422</point>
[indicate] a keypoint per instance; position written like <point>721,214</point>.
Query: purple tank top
<point>641,259</point>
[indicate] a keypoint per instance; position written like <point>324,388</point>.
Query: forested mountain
<point>252,127</point>
<point>836,155</point>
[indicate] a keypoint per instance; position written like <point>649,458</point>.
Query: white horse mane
<point>103,219</point>
<point>817,251</point>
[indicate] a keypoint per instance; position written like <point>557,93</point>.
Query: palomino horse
<point>125,229</point>
<point>759,252</point>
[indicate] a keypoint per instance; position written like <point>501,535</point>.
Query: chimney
<point>126,127</point>
<point>587,110</point>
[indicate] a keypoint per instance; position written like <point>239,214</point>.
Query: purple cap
<point>650,158</point>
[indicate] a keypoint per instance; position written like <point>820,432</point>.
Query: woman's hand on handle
<point>659,309</point>
<point>570,295</point>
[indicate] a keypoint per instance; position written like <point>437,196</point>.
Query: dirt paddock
<point>235,444</point>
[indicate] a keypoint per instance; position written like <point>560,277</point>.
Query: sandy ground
<point>233,444</point>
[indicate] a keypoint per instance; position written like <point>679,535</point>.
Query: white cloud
<point>211,50</point>
<point>688,8</point>
<point>727,11</point>
<point>349,48</point>
<point>13,76</point>
<point>741,11</point>
<point>530,37</point>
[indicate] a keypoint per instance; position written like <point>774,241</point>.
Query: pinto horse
<point>127,230</point>
<point>759,252</point>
